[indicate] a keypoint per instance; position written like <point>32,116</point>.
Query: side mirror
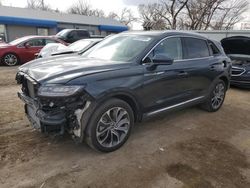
<point>27,45</point>
<point>161,59</point>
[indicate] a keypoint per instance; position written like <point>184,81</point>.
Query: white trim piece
<point>154,73</point>
<point>198,58</point>
<point>174,106</point>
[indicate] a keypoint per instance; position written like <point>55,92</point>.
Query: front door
<point>166,84</point>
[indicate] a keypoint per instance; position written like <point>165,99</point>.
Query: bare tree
<point>150,17</point>
<point>213,14</point>
<point>38,4</point>
<point>200,13</point>
<point>194,14</point>
<point>82,7</point>
<point>229,14</point>
<point>170,11</point>
<point>164,14</point>
<point>126,17</point>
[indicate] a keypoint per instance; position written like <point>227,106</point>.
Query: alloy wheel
<point>113,127</point>
<point>10,60</point>
<point>218,96</point>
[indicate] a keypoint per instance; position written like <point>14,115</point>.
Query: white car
<point>79,46</point>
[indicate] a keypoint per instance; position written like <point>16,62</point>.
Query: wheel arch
<point>132,103</point>
<point>225,80</point>
<point>128,98</point>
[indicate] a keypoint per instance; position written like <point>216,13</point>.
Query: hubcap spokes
<point>10,60</point>
<point>112,127</point>
<point>218,95</point>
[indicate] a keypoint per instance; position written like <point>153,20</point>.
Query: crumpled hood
<point>65,68</point>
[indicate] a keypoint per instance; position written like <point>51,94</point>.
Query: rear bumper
<point>46,122</point>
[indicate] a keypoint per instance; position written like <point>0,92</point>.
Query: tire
<point>10,59</point>
<point>216,97</point>
<point>110,125</point>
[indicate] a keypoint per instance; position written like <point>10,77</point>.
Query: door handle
<point>182,73</point>
<point>212,67</point>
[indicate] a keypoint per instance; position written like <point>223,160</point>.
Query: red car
<point>24,49</point>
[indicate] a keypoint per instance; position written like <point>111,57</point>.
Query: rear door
<point>200,64</point>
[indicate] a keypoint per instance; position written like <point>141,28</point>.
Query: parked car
<point>77,47</point>
<point>48,49</point>
<point>72,35</point>
<point>1,41</point>
<point>127,77</point>
<point>24,49</point>
<point>238,49</point>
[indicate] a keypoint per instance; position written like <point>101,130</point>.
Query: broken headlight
<point>59,91</point>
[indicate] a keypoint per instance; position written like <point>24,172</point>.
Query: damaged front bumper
<point>56,116</point>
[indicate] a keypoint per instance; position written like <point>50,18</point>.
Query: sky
<point>106,5</point>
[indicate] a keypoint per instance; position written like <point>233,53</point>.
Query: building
<point>245,25</point>
<point>18,22</point>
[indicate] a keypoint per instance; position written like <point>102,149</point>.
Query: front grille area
<point>29,86</point>
<point>236,71</point>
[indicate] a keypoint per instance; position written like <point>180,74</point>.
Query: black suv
<point>99,96</point>
<point>72,35</point>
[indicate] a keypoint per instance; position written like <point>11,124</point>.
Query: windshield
<point>63,33</point>
<point>18,41</point>
<point>119,48</point>
<point>53,47</point>
<point>79,45</point>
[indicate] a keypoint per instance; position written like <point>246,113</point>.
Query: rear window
<point>214,48</point>
<point>195,48</point>
<point>82,33</point>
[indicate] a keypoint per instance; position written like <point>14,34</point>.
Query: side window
<point>82,34</point>
<point>213,47</point>
<point>48,41</point>
<point>36,42</point>
<point>170,47</point>
<point>3,36</point>
<point>72,34</point>
<point>76,35</point>
<point>195,48</point>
